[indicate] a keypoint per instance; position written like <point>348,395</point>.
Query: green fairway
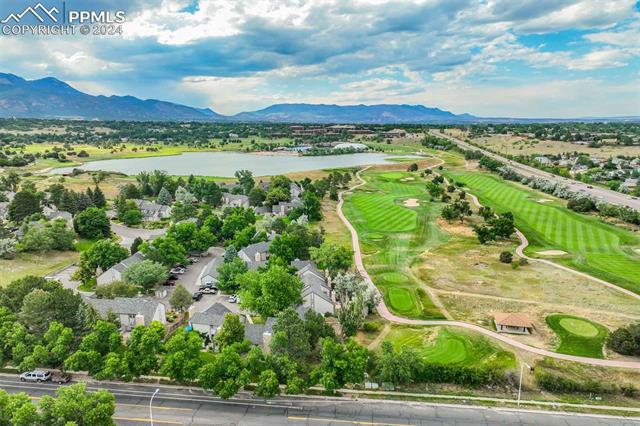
<point>392,235</point>
<point>600,249</point>
<point>449,346</point>
<point>578,336</point>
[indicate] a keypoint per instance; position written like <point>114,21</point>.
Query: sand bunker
<point>411,202</point>
<point>544,200</point>
<point>637,251</point>
<point>552,252</point>
<point>407,179</point>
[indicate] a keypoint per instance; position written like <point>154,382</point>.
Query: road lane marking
<point>353,422</point>
<point>146,420</point>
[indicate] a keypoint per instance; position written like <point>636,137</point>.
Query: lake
<point>224,164</point>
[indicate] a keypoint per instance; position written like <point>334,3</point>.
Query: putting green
<point>578,336</point>
<point>449,346</point>
<point>392,235</point>
<point>401,299</point>
<point>579,327</point>
<point>395,277</point>
<point>594,247</point>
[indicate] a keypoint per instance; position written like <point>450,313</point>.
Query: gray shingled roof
<point>131,260</point>
<point>212,267</point>
<point>252,249</point>
<point>125,305</point>
<point>254,332</point>
<point>212,316</point>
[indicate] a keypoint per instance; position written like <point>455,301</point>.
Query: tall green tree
<point>225,375</point>
<point>23,205</point>
<point>143,348</point>
<point>290,336</point>
<point>146,274</point>
<point>232,331</point>
<point>269,292</point>
<point>92,223</point>
<point>182,355</point>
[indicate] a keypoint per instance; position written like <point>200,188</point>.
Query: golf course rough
<point>392,236</point>
<point>445,345</point>
<point>597,248</point>
<point>578,336</point>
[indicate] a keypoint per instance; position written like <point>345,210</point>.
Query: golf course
<point>446,345</point>
<point>592,246</point>
<point>578,336</point>
<point>395,223</point>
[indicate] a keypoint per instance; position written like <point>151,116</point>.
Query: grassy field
<point>446,345</point>
<point>593,246</point>
<point>392,235</point>
<point>39,264</point>
<point>578,336</point>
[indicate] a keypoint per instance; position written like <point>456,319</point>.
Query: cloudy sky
<point>525,58</point>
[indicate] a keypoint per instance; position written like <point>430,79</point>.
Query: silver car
<point>35,376</point>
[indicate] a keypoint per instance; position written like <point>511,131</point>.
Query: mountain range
<point>51,98</point>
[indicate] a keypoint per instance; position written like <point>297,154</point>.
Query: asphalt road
<point>175,406</point>
<point>127,235</point>
<point>597,193</point>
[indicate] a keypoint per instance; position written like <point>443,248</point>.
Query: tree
<point>23,205</point>
<point>341,364</point>
<point>245,179</point>
<point>142,349</point>
<point>7,247</point>
<point>413,167</point>
<point>146,274</point>
<point>397,367</point>
<point>164,250</point>
<point>625,340</point>
<point>180,298</point>
<point>484,233</point>
<point>74,405</point>
<point>225,375</point>
<point>268,385</point>
<point>503,226</point>
<point>335,258</point>
<point>164,197</point>
<point>290,336</point>
<point>40,308</point>
<point>132,216</point>
<point>183,211</point>
<point>99,200</point>
<point>92,223</point>
<point>135,246</point>
<point>182,355</point>
<point>17,410</point>
<point>13,294</point>
<point>275,196</point>
<point>352,314</point>
<point>506,257</point>
<point>257,195</point>
<point>228,273</point>
<point>103,254</point>
<point>317,328</point>
<point>269,292</point>
<point>231,331</point>
<point>184,197</point>
<point>434,189</point>
<point>104,339</point>
<point>189,236</point>
<point>311,206</point>
<point>117,289</point>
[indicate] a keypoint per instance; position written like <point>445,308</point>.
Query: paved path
<point>127,235</point>
<point>386,314</point>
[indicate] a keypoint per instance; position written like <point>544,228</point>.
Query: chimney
<point>258,257</point>
<point>139,320</point>
<point>266,341</point>
<point>191,311</point>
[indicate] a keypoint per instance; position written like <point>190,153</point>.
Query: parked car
<point>197,295</point>
<point>172,277</point>
<point>35,376</point>
<point>194,260</point>
<point>233,299</point>
<point>178,271</point>
<point>170,282</point>
<point>61,378</point>
<point>210,290</point>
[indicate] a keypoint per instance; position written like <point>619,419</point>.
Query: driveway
<point>191,281</point>
<point>127,235</point>
<point>64,276</point>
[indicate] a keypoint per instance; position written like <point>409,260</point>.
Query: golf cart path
<point>386,314</point>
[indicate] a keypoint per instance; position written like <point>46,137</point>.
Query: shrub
<point>371,326</point>
<point>506,257</point>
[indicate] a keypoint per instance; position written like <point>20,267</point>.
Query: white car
<point>178,271</point>
<point>233,299</point>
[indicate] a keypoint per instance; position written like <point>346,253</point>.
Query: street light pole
<point>520,384</point>
<point>150,403</point>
